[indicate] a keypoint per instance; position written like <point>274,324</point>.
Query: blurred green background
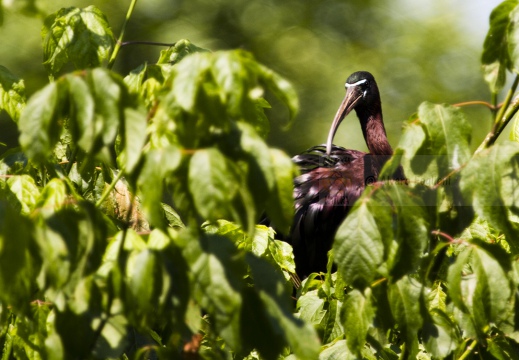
<point>417,49</point>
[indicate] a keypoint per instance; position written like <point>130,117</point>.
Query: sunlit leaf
<point>25,190</point>
<point>281,88</point>
<point>358,246</point>
<point>12,93</point>
<point>441,335</point>
<point>217,276</point>
<point>493,193</point>
<point>82,37</point>
<point>404,300</point>
<point>20,261</point>
<point>158,164</point>
<point>484,293</point>
<point>213,183</point>
<point>358,318</point>
<point>41,121</point>
<point>512,32</point>
<point>276,315</point>
<point>449,136</point>
<point>178,51</point>
<point>495,57</point>
<point>280,204</point>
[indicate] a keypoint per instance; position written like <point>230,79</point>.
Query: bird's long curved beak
<point>350,100</point>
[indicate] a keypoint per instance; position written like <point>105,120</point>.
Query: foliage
<point>128,217</point>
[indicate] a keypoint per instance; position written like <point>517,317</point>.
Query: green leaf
<point>410,228</point>
<point>358,246</point>
<point>449,136</point>
<point>144,282</point>
<point>437,297</point>
<point>389,225</point>
<point>514,132</point>
<point>158,165</point>
<point>25,190</point>
<point>134,138</point>
<point>20,261</point>
<point>485,291</point>
<point>41,121</point>
<point>79,36</point>
<point>172,217</point>
<point>109,93</point>
<point>190,75</point>
<point>217,277</point>
<point>495,57</point>
<point>440,334</point>
<point>82,103</point>
<point>177,52</point>
<point>214,184</point>
<point>416,160</point>
<point>513,36</point>
<point>72,241</point>
<point>502,348</point>
<point>12,93</point>
<point>404,300</point>
<point>281,88</point>
<point>336,351</point>
<point>358,314</point>
<point>31,332</point>
<point>261,244</point>
<point>280,203</point>
<point>282,253</point>
<point>489,182</point>
<point>275,314</point>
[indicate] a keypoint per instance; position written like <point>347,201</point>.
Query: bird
<point>332,178</point>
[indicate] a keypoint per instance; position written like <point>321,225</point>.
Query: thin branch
<point>447,237</point>
<point>479,102</point>
<point>378,282</point>
<point>503,117</point>
<point>110,188</point>
<point>443,235</point>
<point>121,36</point>
<point>71,160</point>
<point>468,350</point>
<point>152,43</point>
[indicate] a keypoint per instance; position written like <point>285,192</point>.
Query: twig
<point>110,188</point>
<point>479,102</point>
<point>121,36</point>
<point>71,161</point>
<point>378,282</point>
<point>469,349</point>
<point>152,43</point>
<point>448,237</point>
<point>502,118</point>
<point>443,235</point>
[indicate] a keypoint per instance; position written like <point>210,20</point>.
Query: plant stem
<point>121,36</point>
<point>503,117</point>
<point>71,161</point>
<point>110,188</point>
<point>469,349</point>
<point>493,100</point>
<point>478,102</point>
<point>443,235</point>
<point>153,43</point>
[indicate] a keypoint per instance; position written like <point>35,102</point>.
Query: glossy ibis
<point>333,177</point>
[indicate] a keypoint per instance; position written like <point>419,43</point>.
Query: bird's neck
<point>374,131</point>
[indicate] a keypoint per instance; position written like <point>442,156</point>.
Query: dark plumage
<point>333,177</point>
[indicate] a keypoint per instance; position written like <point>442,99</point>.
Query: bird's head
<point>361,92</point>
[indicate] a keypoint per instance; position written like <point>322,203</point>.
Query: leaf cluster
<point>129,217</point>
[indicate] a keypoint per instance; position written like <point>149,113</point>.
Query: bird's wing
<point>323,194</point>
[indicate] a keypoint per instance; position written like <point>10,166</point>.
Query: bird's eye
<point>362,84</point>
